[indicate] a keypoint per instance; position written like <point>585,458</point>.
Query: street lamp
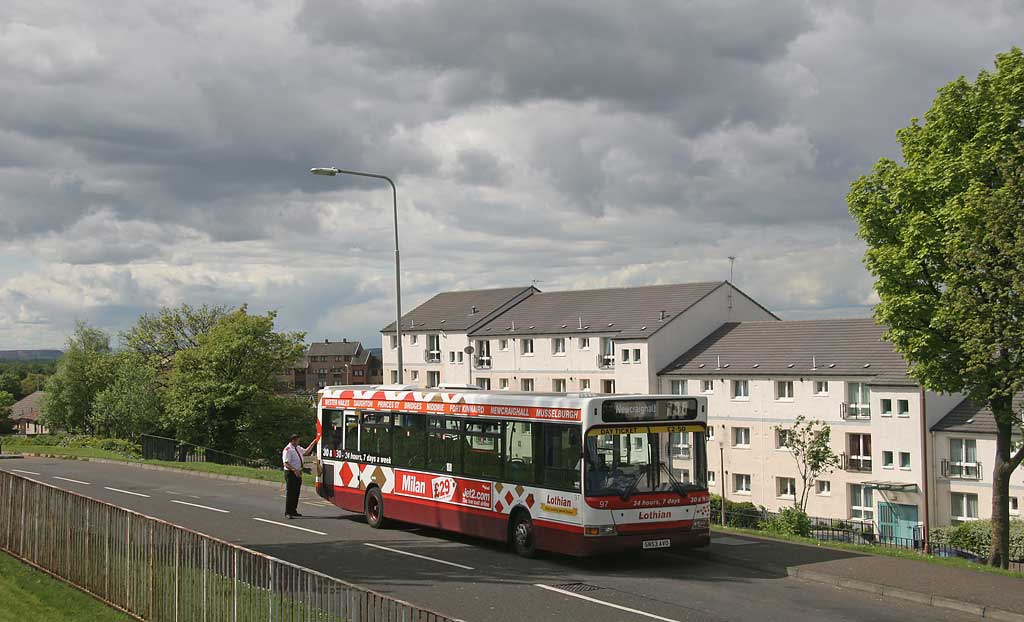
<point>331,172</point>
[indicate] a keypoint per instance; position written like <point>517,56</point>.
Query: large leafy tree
<point>160,336</point>
<point>223,391</point>
<point>945,238</point>
<point>85,369</point>
<point>130,405</point>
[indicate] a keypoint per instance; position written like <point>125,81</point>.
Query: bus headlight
<point>599,530</point>
<point>699,523</point>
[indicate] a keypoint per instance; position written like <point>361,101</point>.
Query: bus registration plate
<point>663,543</point>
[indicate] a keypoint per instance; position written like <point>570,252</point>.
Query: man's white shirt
<point>292,456</point>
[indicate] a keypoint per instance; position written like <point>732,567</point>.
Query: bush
<point>743,514</point>
<point>123,447</point>
<point>976,536</point>
<point>790,521</point>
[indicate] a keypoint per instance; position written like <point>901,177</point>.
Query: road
<point>472,579</point>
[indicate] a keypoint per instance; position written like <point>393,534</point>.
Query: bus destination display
<point>621,411</point>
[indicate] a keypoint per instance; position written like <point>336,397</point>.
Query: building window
<point>584,343</point>
<point>710,433</point>
<point>584,384</point>
<point>503,384</point>
<point>859,447</point>
<point>414,375</point>
<point>679,442</point>
<point>636,355</point>
<point>964,506</point>
<point>607,386</point>
<point>677,387</point>
<point>526,384</point>
<point>886,408</point>
<point>607,352</point>
<point>886,459</point>
<point>433,378</point>
<point>707,386</point>
<point>625,355</point>
<point>558,385</point>
<point>503,345</point>
<point>741,437</point>
<point>821,387</point>
<point>903,408</point>
<point>784,390</point>
<point>433,349</point>
<point>786,487</point>
<point>484,383</point>
<point>394,376</point>
<point>558,346</point>
<point>783,438</point>
<point>905,460</point>
<point>526,347</point>
<point>394,342</point>
<point>459,356</point>
<point>711,479</point>
<point>740,389</point>
<point>483,353</point>
<point>824,487</point>
<point>858,400</point>
<point>1014,506</point>
<point>741,483</point>
<point>414,339</point>
<point>861,505</point>
<point>451,356</point>
<point>963,458</point>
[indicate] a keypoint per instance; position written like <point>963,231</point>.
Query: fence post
<point>128,563</point>
<point>270,592</point>
<point>206,570</point>
<point>152,562</point>
<point>177,573</point>
<point>234,596</point>
<point>106,558</point>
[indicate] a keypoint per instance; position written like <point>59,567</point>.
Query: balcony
<point>432,356</point>
<point>606,361</point>
<point>681,451</point>
<point>481,362</point>
<point>849,411</point>
<point>855,464</point>
<point>961,470</point>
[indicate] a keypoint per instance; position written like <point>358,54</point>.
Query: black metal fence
<point>173,450</point>
<point>866,533</point>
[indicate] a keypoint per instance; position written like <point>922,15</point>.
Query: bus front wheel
<point>522,535</point>
<point>374,508</point>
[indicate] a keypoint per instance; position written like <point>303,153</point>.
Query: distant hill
<point>30,355</point>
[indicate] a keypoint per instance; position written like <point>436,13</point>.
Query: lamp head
<point>330,171</point>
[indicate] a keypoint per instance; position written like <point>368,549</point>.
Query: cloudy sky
<point>153,152</point>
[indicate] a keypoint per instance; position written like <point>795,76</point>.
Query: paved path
<point>736,579</point>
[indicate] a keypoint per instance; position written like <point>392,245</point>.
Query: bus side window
<point>410,438</point>
<point>520,438</point>
<point>333,433</point>
<point>375,436</point>
<point>481,455</point>
<point>351,430</point>
<point>444,444</point>
<point>563,449</point>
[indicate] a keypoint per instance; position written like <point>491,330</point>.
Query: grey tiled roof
<point>972,418</point>
<point>28,407</point>
<point>334,348</point>
<point>837,347</point>
<point>631,312</point>
<point>454,310</point>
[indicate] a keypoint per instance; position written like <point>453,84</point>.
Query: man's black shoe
<point>296,514</point>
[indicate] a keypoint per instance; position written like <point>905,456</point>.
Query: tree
<point>6,401</point>
<point>130,405</point>
<point>808,442</point>
<point>32,382</point>
<point>84,370</point>
<point>222,389</point>
<point>159,337</point>
<point>945,238</point>
<point>10,382</point>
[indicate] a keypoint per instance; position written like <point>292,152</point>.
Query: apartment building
<point>435,335</point>
<point>335,362</point>
<point>601,340</point>
<point>759,376</point>
<point>964,442</point>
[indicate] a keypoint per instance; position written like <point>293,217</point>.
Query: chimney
<point>661,318</point>
<point>327,341</point>
<point>472,310</point>
<point>344,340</point>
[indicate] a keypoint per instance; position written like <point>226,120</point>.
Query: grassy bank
<point>29,595</point>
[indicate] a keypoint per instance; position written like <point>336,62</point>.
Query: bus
<point>576,474</point>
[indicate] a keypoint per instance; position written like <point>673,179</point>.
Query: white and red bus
<point>571,473</point>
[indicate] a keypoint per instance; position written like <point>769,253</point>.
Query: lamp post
<point>331,172</point>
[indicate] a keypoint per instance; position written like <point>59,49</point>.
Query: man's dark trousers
<point>293,484</point>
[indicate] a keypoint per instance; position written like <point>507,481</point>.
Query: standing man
<point>291,458</point>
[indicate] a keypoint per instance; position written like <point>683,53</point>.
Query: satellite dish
<point>468,349</point>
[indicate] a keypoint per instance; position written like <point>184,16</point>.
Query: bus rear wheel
<point>374,508</point>
<point>522,535</point>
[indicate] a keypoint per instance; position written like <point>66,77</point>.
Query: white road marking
<point>73,481</point>
<point>274,522</point>
<point>440,561</point>
<point>27,472</point>
<point>196,505</point>
<point>606,604</point>
<point>127,492</point>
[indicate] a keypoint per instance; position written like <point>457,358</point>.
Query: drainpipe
<point>924,472</point>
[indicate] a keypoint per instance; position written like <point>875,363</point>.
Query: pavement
<point>738,578</point>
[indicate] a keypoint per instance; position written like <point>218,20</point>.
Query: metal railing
<point>173,450</point>
<point>159,572</point>
<point>850,411</point>
<point>482,362</point>
<point>961,470</point>
<point>606,361</point>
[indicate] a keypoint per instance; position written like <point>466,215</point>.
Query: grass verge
<point>873,550</point>
<point>268,475</point>
<point>29,595</point>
